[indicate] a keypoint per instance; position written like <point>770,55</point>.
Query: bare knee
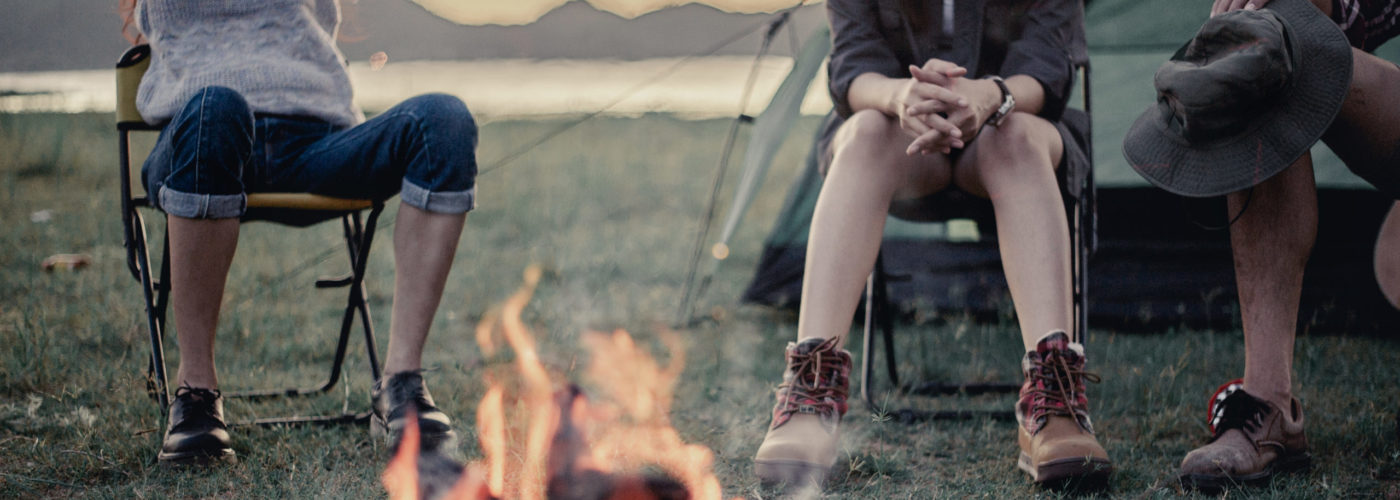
<point>870,147</point>
<point>1022,145</point>
<point>865,130</point>
<point>864,143</point>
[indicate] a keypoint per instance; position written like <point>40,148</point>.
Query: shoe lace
<point>1060,384</point>
<point>408,391</point>
<point>807,391</point>
<point>200,401</point>
<point>1242,411</point>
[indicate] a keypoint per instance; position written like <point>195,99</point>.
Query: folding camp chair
<point>294,209</point>
<point>1078,191</point>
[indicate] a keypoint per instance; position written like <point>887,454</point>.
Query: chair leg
<point>884,317</point>
<point>155,295</point>
<point>358,239</point>
<point>877,314</point>
<point>1083,233</point>
<point>358,289</point>
<point>879,311</point>
<point>867,346</point>
<point>353,245</point>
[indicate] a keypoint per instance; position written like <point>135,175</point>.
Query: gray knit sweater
<point>279,54</point>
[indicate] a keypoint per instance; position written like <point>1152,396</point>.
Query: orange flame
<point>627,428</point>
<point>490,424</point>
<point>401,477</point>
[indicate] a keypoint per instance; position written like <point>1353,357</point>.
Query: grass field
<point>609,209</point>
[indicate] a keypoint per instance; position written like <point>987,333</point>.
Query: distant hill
<point>46,35</point>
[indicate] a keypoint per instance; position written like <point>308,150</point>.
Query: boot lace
<point>818,383</point>
<point>1241,411</point>
<point>202,399</point>
<point>199,406</point>
<point>1056,386</point>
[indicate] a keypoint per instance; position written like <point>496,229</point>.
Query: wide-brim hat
<point>1243,100</point>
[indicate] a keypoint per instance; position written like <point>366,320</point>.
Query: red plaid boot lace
<point>816,382</point>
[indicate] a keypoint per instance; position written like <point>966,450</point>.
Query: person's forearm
<point>875,91</point>
<point>1029,94</point>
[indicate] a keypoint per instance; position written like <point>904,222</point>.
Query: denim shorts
<point>216,150</point>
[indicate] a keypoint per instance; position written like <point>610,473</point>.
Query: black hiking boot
<point>197,434</point>
<point>399,395</point>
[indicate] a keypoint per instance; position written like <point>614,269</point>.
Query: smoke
<point>479,12</point>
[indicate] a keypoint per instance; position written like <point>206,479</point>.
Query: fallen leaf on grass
<point>66,262</point>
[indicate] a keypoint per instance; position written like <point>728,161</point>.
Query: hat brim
<point>1276,139</point>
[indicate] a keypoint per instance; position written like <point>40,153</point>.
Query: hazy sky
<point>478,12</point>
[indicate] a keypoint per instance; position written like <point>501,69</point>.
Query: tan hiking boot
<point>1055,433</point>
<point>1252,440</point>
<point>800,447</point>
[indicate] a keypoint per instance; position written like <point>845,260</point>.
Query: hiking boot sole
<point>379,430</point>
<point>1071,472</point>
<point>1212,483</point>
<point>792,473</point>
<point>196,458</point>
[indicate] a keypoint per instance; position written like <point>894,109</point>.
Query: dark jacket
<point>1043,39</point>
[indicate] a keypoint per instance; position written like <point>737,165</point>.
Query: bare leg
<point>1387,257</point>
<point>424,246</point>
<point>201,251</point>
<point>868,171</point>
<point>1014,166</point>
<point>1366,135</point>
<point>1271,243</point>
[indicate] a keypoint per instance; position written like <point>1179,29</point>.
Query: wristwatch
<point>1008,102</point>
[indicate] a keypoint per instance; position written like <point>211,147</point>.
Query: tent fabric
<point>1155,266</point>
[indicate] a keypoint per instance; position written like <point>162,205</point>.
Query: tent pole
<point>693,292</point>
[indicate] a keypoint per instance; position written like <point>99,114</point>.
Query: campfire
<point>543,437</point>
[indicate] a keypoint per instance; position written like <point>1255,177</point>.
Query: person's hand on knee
<point>977,99</point>
<point>930,93</point>
<point>927,116</point>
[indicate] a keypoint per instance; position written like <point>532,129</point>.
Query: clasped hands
<point>941,108</point>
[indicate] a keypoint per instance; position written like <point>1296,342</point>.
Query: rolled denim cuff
<point>443,202</point>
<point>202,206</point>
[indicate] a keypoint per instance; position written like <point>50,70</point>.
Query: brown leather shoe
<point>1252,440</point>
<point>1055,433</point>
<point>800,447</point>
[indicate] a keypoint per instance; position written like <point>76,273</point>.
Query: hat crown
<point>1237,66</point>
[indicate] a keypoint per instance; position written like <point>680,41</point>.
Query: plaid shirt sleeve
<point>1367,23</point>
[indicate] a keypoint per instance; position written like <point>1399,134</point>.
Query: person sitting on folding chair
<point>1238,111</point>
<point>931,96</point>
<point>255,96</point>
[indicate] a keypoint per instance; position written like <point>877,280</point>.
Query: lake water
<point>705,87</point>
<point>702,87</point>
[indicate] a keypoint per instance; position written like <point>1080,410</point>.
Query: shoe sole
<point>196,458</point>
<point>1213,483</point>
<point>379,430</point>
<point>790,473</point>
<point>1073,472</point>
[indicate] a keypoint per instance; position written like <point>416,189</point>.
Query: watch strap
<point>1008,102</point>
